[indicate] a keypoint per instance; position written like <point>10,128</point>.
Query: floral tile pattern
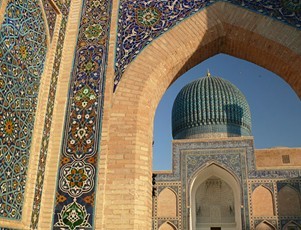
<point>75,192</point>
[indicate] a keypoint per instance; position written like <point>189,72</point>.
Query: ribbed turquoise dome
<point>210,107</point>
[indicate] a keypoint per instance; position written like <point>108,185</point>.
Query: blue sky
<point>275,107</point>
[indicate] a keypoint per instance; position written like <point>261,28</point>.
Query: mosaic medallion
<point>73,216</point>
<point>93,31</point>
<point>147,17</point>
<point>77,178</point>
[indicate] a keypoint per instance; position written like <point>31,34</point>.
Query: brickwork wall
<point>282,158</point>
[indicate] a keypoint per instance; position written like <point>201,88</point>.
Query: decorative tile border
<point>48,118</point>
<point>77,174</point>
<point>140,22</point>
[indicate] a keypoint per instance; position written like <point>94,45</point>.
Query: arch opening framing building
<point>79,85</point>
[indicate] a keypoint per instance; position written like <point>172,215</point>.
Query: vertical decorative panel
<point>64,9</point>
<point>22,56</point>
<point>74,206</point>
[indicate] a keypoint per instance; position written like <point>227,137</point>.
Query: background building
<point>79,85</point>
<point>218,180</point>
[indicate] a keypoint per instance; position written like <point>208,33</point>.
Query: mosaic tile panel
<point>142,21</point>
<point>50,15</point>
<point>22,56</point>
<point>48,118</point>
<point>75,192</point>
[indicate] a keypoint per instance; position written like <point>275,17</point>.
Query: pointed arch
<point>215,171</point>
<point>291,225</point>
<point>265,225</point>
<point>262,202</point>
<point>167,203</point>
<point>167,226</point>
<point>220,28</point>
<point>289,201</point>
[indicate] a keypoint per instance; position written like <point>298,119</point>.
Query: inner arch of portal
<point>215,199</point>
<point>220,28</point>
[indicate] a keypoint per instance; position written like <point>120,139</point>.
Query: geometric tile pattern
<point>64,9</point>
<point>140,22</point>
<point>22,56</point>
<point>75,192</point>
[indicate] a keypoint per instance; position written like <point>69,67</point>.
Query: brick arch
<point>289,201</point>
<point>262,202</point>
<point>167,203</point>
<point>291,224</point>
<point>265,225</point>
<point>220,28</point>
<point>167,226</point>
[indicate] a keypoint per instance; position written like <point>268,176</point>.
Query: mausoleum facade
<point>218,180</point>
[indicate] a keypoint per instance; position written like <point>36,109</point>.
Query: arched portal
<point>262,202</point>
<point>167,204</point>
<point>215,199</point>
<point>167,226</point>
<point>264,225</point>
<point>220,28</point>
<point>289,201</point>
